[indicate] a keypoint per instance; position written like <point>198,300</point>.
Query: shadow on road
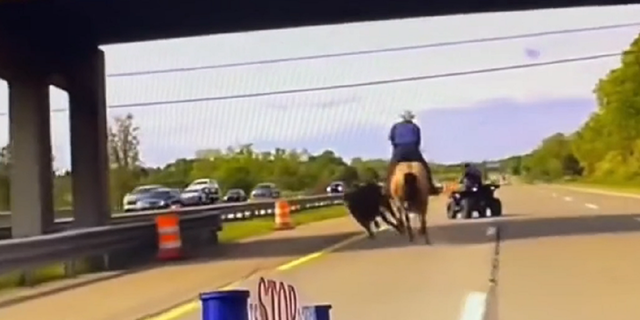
<point>475,231</point>
<point>459,233</point>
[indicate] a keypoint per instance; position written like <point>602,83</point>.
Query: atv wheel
<point>496,208</point>
<point>466,209</point>
<point>451,210</point>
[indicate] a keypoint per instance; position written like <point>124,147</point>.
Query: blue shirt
<point>472,176</point>
<point>405,133</point>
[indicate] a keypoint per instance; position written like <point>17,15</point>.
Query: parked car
<point>154,199</point>
<point>235,195</point>
<point>130,200</point>
<point>198,195</point>
<point>265,190</point>
<point>211,184</point>
<point>336,187</point>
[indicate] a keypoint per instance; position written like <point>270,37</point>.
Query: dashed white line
<point>474,306</point>
<point>591,206</point>
<point>568,199</point>
<point>491,231</point>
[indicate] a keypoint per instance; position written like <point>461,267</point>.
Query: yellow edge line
<point>194,305</point>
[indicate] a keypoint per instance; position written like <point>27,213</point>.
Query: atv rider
<point>405,138</point>
<point>471,177</point>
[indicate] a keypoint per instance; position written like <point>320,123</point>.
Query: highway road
<point>563,254</point>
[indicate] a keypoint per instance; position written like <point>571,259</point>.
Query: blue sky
<point>503,112</point>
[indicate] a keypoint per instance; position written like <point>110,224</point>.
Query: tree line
<point>606,149</point>
<point>234,167</point>
<point>297,171</point>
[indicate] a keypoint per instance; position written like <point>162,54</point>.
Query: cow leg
<point>388,221</point>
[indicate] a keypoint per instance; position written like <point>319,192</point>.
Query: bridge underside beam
<point>119,21</point>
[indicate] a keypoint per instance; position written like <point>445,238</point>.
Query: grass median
<point>232,231</point>
<point>611,187</point>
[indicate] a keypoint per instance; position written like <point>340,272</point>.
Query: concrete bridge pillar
<point>88,121</point>
<point>31,161</point>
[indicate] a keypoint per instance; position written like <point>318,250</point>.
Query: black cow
<point>368,202</point>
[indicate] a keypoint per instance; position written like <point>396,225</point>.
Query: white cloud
<point>291,117</point>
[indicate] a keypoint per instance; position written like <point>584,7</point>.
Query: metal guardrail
<point>137,234</point>
<point>128,217</point>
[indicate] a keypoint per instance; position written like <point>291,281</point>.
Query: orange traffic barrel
<point>169,239</point>
<point>283,215</point>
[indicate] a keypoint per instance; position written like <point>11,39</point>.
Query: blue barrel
<point>317,312</point>
<point>225,305</point>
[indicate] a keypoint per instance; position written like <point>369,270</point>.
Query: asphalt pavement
<point>555,254</point>
<point>562,254</point>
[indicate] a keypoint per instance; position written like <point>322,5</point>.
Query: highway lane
<point>559,259</point>
<point>581,265</point>
<point>389,278</point>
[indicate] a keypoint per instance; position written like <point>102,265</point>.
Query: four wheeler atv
<point>477,199</point>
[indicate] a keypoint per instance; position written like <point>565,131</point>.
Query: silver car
<point>130,200</point>
<point>265,191</point>
<point>196,195</point>
<point>212,186</point>
<point>155,199</point>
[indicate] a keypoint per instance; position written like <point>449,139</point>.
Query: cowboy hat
<point>407,115</point>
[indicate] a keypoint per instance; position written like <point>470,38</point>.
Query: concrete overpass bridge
<point>44,42</point>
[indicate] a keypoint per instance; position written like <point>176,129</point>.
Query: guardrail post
<point>317,312</point>
<point>225,305</point>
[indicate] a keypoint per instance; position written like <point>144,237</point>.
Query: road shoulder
<point>139,294</point>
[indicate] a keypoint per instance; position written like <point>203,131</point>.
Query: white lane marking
<point>591,206</point>
<point>596,191</point>
<point>474,306</point>
<point>568,199</point>
<point>491,231</point>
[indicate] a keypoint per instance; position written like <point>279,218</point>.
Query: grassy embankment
<point>232,231</point>
<point>611,187</point>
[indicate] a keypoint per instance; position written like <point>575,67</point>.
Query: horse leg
<point>407,221</point>
<point>401,227</point>
<point>423,223</point>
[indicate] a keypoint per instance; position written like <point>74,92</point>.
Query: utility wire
<point>361,84</point>
<point>374,51</point>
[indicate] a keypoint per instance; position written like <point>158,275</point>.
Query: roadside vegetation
<point>605,151</point>
<point>232,232</point>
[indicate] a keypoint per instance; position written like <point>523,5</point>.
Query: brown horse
<point>410,194</point>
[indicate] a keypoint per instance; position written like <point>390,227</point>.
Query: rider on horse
<point>405,137</point>
<point>471,176</point>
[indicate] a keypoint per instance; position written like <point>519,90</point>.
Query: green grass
<point>234,231</point>
<point>623,188</point>
<point>40,275</point>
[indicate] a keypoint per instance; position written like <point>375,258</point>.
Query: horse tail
<point>411,188</point>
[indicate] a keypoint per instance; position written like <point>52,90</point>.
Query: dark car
<point>156,199</point>
<point>235,195</point>
<point>198,195</point>
<point>336,187</point>
<point>265,191</point>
